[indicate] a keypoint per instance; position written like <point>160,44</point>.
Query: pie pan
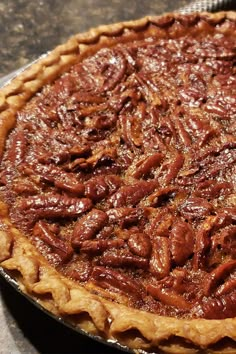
<point>91,309</point>
<point>113,345</point>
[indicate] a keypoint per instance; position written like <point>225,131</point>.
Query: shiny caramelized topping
<point>122,173</point>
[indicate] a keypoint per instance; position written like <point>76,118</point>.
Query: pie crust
<point>97,315</point>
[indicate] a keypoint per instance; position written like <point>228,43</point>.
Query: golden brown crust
<point>61,296</point>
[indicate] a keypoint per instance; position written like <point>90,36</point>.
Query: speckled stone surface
<point>27,30</point>
<point>30,28</point>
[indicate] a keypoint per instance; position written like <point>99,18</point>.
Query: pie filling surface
<point>122,174</point>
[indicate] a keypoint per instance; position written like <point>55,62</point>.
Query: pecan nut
<point>88,226</point>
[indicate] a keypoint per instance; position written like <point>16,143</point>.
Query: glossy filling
<point>122,174</point>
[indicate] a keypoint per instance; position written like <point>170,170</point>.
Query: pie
<point>117,182</point>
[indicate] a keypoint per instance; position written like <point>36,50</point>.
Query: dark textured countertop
<point>30,28</point>
<point>27,30</point>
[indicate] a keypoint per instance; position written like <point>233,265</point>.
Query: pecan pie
<point>118,182</point>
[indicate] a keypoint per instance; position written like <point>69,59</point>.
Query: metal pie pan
<point>112,344</point>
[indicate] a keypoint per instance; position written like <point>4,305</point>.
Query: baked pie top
<point>118,180</point>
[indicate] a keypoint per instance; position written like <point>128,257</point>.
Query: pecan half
<point>218,307</point>
<point>161,224</point>
<point>98,246</point>
<point>168,297</point>
<point>195,208</point>
<point>88,226</point>
<point>98,188</point>
<point>131,195</point>
<point>218,275</point>
<point>160,261</point>
<point>53,206</point>
<point>144,166</point>
<point>174,167</point>
<point>202,243</point>
<point>111,279</point>
<point>211,189</point>
<point>225,240</point>
<point>161,196</point>
<point>139,243</point>
<point>127,217</point>
<point>61,179</point>
<point>227,287</point>
<point>181,242</point>
<point>17,150</point>
<point>43,231</point>
<point>122,258</point>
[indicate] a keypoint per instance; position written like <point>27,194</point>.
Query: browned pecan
<point>105,120</point>
<point>153,140</point>
<point>174,167</point>
<point>220,107</point>
<point>99,246</point>
<point>225,240</point>
<point>132,194</point>
<point>211,189</point>
<point>25,186</point>
<point>193,95</point>
<point>144,166</point>
<point>106,232</point>
<point>170,169</point>
<point>149,90</point>
<point>202,243</point>
<point>79,164</point>
<point>139,243</point>
<point>160,261</point>
<point>61,179</point>
<point>226,288</point>
<point>126,217</point>
<point>101,155</point>
<point>167,130</point>
<point>88,226</point>
<point>53,206</point>
<point>108,66</point>
<point>121,98</point>
<point>195,208</point>
<point>97,188</point>
<point>218,276</point>
<point>226,159</point>
<point>43,231</point>
<point>93,134</point>
<point>111,279</point>
<point>161,224</point>
<point>199,128</point>
<point>183,133</point>
<point>181,241</point>
<point>161,196</point>
<point>17,149</point>
<point>86,97</point>
<point>216,162</point>
<point>58,157</point>
<point>168,297</point>
<point>224,217</point>
<point>217,307</point>
<point>123,258</point>
<point>80,150</point>
<point>126,124</point>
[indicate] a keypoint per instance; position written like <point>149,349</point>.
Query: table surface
<point>27,30</point>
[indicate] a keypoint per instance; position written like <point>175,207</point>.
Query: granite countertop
<point>27,30</point>
<point>30,28</point>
